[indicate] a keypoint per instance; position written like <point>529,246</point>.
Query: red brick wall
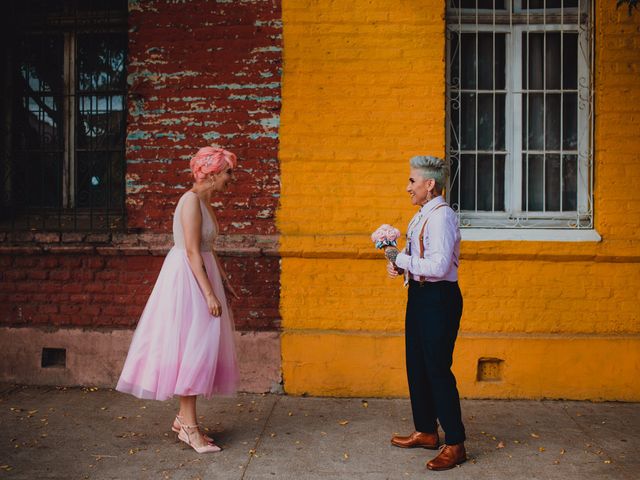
<point>202,73</point>
<point>81,290</point>
<point>199,73</point>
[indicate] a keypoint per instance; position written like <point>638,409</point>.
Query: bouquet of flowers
<point>385,236</point>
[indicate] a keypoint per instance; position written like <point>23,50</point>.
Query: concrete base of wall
<point>95,358</point>
<point>529,366</point>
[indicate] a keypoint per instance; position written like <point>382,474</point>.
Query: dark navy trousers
<point>431,328</point>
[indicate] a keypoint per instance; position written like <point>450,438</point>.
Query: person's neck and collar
<point>432,204</point>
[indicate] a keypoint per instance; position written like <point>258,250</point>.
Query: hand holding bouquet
<point>386,237</point>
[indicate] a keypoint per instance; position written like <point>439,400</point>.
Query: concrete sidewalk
<point>86,433</point>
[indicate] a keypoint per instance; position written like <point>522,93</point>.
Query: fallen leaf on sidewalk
<point>607,461</point>
<point>535,435</point>
<point>343,422</point>
<point>100,457</point>
<point>365,404</point>
<point>500,444</point>
<point>346,455</point>
<point>562,451</point>
<point>541,449</point>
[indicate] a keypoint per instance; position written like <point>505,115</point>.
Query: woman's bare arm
<point>191,220</point>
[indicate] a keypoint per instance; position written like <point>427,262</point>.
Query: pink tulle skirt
<point>178,347</point>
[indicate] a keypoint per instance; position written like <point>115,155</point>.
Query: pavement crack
<point>589,435</point>
<point>260,436</point>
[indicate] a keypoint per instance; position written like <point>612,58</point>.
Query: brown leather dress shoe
<point>417,440</point>
<point>449,457</point>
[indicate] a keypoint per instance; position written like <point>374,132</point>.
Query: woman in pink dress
<point>184,342</point>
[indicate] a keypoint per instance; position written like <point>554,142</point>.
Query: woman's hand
<point>230,290</point>
<point>215,307</point>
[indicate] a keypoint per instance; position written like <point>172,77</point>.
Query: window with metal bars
<point>519,113</point>
<point>64,113</point>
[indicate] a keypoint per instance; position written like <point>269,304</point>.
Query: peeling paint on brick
<point>208,74</point>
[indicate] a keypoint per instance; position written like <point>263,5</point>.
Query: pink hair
<point>211,160</point>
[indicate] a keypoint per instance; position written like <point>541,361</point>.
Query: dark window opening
<point>64,115</point>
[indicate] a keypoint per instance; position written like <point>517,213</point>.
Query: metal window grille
<point>63,142</point>
<point>519,113</point>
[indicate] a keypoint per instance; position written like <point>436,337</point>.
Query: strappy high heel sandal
<point>189,433</point>
<point>176,428</point>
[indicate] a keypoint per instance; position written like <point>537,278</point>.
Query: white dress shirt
<point>441,244</point>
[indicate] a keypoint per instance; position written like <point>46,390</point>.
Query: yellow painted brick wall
<point>363,91</point>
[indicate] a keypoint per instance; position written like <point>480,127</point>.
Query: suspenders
<point>421,239</point>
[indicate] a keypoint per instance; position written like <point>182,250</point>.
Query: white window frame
<point>514,223</point>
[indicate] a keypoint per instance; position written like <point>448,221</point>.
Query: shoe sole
<point>447,468</point>
<point>426,447</point>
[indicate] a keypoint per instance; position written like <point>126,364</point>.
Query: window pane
<point>37,130</point>
<point>100,122</point>
<point>468,60</point>
<point>41,85</point>
<point>500,112</point>
<point>468,182</point>
<point>41,64</point>
<point>490,183</point>
<point>570,61</point>
<point>498,191</point>
<point>533,121</point>
<point>468,119</point>
<point>532,182</point>
<point>553,61</point>
<point>488,65</point>
<point>570,183</point>
<point>552,121</point>
<point>491,64</point>
<point>100,126</point>
<point>491,127</point>
<point>101,62</point>
<point>485,121</point>
<point>533,60</point>
<point>99,180</point>
<point>552,182</point>
<point>39,178</point>
<point>570,121</point>
<point>487,172</point>
<point>40,120</point>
